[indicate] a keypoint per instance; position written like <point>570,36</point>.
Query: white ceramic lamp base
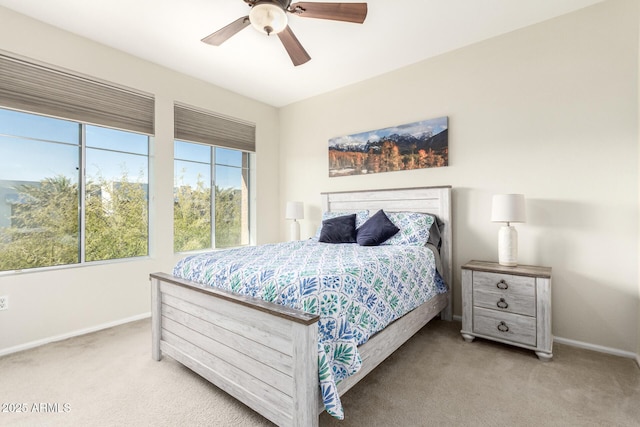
<point>294,231</point>
<point>508,246</point>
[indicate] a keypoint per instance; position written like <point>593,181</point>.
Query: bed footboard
<point>263,354</point>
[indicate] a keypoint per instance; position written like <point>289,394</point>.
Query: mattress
<point>355,290</point>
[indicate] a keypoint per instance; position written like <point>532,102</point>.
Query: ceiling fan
<point>270,17</point>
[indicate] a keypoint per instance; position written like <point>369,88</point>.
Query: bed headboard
<point>433,200</point>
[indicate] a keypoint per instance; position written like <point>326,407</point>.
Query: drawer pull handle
<point>502,327</point>
<point>502,303</point>
<point>502,285</point>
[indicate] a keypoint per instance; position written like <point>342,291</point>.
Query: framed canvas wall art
<point>418,145</point>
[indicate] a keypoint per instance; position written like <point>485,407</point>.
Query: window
<point>210,179</point>
<point>73,189</point>
<point>70,192</point>
<point>116,194</point>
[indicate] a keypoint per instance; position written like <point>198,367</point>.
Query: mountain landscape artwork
<point>418,145</point>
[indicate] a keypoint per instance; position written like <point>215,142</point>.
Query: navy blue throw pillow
<point>341,229</point>
<point>376,230</point>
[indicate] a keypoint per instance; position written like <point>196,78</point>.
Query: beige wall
<point>550,111</point>
<point>62,301</point>
<point>638,77</point>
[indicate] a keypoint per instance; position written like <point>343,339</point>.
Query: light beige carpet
<point>108,379</point>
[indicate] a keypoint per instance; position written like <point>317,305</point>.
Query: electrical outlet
<point>4,302</point>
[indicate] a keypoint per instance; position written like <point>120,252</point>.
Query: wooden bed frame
<point>265,354</point>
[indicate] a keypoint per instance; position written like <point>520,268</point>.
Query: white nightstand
<point>511,305</point>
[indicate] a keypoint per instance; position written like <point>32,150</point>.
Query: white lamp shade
<point>508,208</point>
<point>295,210</point>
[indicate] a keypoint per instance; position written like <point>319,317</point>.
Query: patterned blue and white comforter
<point>356,291</point>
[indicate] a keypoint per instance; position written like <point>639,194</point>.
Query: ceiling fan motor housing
<point>269,16</point>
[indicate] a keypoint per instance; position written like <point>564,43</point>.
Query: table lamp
<point>294,211</point>
<point>508,208</point>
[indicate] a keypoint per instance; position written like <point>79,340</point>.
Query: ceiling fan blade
<point>348,12</point>
<point>225,33</point>
<point>295,50</point>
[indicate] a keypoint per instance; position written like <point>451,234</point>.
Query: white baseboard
<point>588,346</point>
<point>595,347</point>
<point>38,343</point>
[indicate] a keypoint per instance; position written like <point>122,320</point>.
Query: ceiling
<point>395,34</point>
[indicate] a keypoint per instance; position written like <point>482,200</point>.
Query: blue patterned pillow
<point>361,218</point>
<point>414,228</point>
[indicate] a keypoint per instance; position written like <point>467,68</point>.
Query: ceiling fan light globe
<point>268,18</point>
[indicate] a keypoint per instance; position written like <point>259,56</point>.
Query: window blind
<point>196,125</point>
<point>45,90</point>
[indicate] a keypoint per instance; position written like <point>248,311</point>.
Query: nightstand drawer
<point>504,292</point>
<point>508,283</point>
<point>506,326</point>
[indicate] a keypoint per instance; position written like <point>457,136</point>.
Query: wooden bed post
<point>446,254</point>
<point>156,319</point>
<point>305,375</point>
